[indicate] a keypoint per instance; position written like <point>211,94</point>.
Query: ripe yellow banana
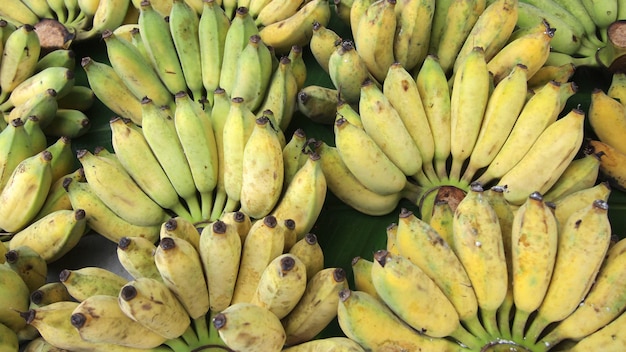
<point>327,344</point>
<point>234,327</point>
<point>617,87</point>
<point>584,237</point>
<point>60,79</point>
<point>108,15</point>
<point>15,298</point>
<point>277,10</point>
<point>44,105</point>
<point>31,266</point>
<point>571,203</point>
<point>99,319</point>
<point>180,227</point>
<point>17,13</point>
<point>50,292</point>
<point>220,253</point>
<point>374,38</point>
<point>581,173</point>
<point>441,220</point>
<point>323,43</point>
<point>309,251</point>
<point>135,255</point>
<point>87,281</point>
<point>607,117</point>
<point>412,37</point>
<point>362,275</point>
<point>559,143</point>
<point>347,71</point>
<point>317,306</point>
<point>240,220</point>
<point>608,338</point>
<point>610,162</point>
<point>558,73</point>
<point>294,155</point>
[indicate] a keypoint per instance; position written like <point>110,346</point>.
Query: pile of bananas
<point>234,284</point>
<point>488,278</point>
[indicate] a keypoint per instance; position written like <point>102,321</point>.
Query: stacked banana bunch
<point>62,22</point>
<point>484,277</point>
<point>607,117</point>
<point>22,272</point>
<point>235,284</point>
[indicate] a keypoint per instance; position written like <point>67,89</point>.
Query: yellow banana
<point>503,107</point>
<point>323,43</point>
<point>281,285</point>
<point>317,306</point>
<point>294,155</point>
<point>99,319</point>
<point>181,269</point>
<point>184,28</point>
<point>362,275</point>
<point>441,220</point>
<point>541,110</point>
<point>296,29</point>
<point>220,253</point>
<point>347,71</point>
<point>15,146</point>
<point>15,298</point>
<point>617,87</point>
<point>252,73</point>
<point>559,142</point>
<point>384,330</point>
<point>585,231</point>
<point>152,304</point>
<point>71,123</point>
<point>100,218</point>
<point>63,158</point>
<point>87,281</point>
<point>237,36</point>
<point>277,10</point>
<point>17,13</point>
<point>309,251</point>
<point>50,292</point>
<point>318,103</point>
<point>610,162</point>
<point>298,65</point>
<point>180,227</point>
<point>479,246</point>
<point>607,119</point>
<point>61,79</point>
<point>581,173</point>
<point>327,344</point>
<point>608,338</point>
<point>20,55</point>
<point>38,140</point>
<point>54,235</point>
<point>108,15</point>
<point>534,238</point>
<point>280,96</point>
<point>135,255</point>
<point>411,41</point>
<point>233,325</point>
<point>19,206</point>
<point>558,73</point>
<point>374,39</point>
<point>567,205</point>
<point>44,105</point>
<point>240,220</point>
<point>468,101</point>
<point>212,29</point>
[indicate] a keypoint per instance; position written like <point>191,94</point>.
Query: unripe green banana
<point>252,73</point>
<point>19,58</point>
<point>79,98</point>
<point>280,97</point>
<point>63,158</point>
<point>15,298</point>
<point>68,122</point>
<point>44,105</point>
<point>241,28</point>
<point>57,58</point>
<point>15,146</point>
<point>183,26</point>
<point>213,28</point>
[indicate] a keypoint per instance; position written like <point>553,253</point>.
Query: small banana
<point>15,298</point>
<point>99,319</point>
<point>50,292</point>
<point>151,303</point>
<point>87,281</point>
<point>411,41</point>
<point>63,158</point>
<point>602,13</point>
<point>38,140</point>
<point>253,72</point>
<point>309,251</point>
<point>249,327</point>
<point>608,338</point>
<point>16,13</point>
<point>317,306</point>
<point>581,173</point>
<point>237,36</point>
<point>183,228</point>
<point>61,79</point>
<point>323,43</point>
<point>240,220</point>
<point>277,10</point>
<point>70,123</point>
<point>374,38</point>
<point>108,15</point>
<point>586,230</point>
<point>54,235</point>
<point>213,27</point>
<point>558,73</point>
<point>606,117</point>
<point>136,256</point>
<point>357,11</point>
<point>327,344</point>
<point>184,28</point>
<point>610,162</point>
<point>20,55</point>
<point>293,155</point>
<point>44,105</point>
<point>280,96</point>
<point>220,253</point>
<point>181,269</point>
<point>347,71</point>
<point>362,275</point>
<point>567,205</point>
<point>18,206</point>
<point>15,146</point>
<point>318,103</point>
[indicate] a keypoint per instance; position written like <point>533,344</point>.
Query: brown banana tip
<point>171,224</point>
<point>339,274</point>
<point>381,256</point>
<point>167,243</point>
<point>344,294</point>
<point>36,297</point>
<point>536,196</point>
<point>80,214</point>
<point>290,224</point>
<point>476,187</point>
<point>270,221</point>
<point>219,321</point>
<point>219,227</point>
<point>355,260</point>
<point>287,263</point>
<point>123,243</point>
<point>128,292</point>
<point>78,320</point>
<point>29,315</point>
<point>64,275</point>
<point>310,238</point>
<point>405,213</point>
<point>601,204</point>
<point>239,216</point>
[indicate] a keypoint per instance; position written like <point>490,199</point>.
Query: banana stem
<point>231,205</point>
<point>466,338</point>
<point>421,178</point>
<point>218,203</point>
<point>473,325</point>
<point>202,330</point>
<point>194,208</point>
<point>535,329</point>
<point>206,204</point>
<point>431,174</point>
<point>177,345</point>
<point>519,325</point>
<point>189,336</point>
<point>504,316</point>
<point>441,169</point>
<point>490,321</point>
<point>181,211</point>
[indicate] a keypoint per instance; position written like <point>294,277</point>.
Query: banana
<point>60,79</point>
<point>111,90</point>
<point>78,98</point>
<point>374,38</point>
<point>564,138</point>
<point>461,17</point>
<point>358,150</point>
<point>362,275</point>
<point>345,185</point>
<point>491,31</point>
<point>303,199</point>
<point>468,102</point>
<point>479,246</point>
<point>318,103</point>
<point>100,218</point>
<point>213,27</point>
<point>566,291</point>
<point>263,243</point>
<point>54,235</point>
<point>503,108</point>
<point>255,6</point>
<point>38,140</point>
<point>182,228</point>
<point>541,110</point>
<point>99,319</point>
<point>610,162</point>
<point>561,74</point>
<point>195,133</point>
<point>18,206</point>
<point>252,73</point>
<point>277,10</point>
<point>347,71</point>
<point>411,41</point>
<point>385,331</point>
<point>606,117</point>
<point>419,243</point>
<point>298,65</point>
<point>152,304</point>
<point>15,298</point>
<point>581,173</point>
<point>233,325</point>
<point>44,105</point>
<point>50,292</point>
<point>20,55</point>
<point>8,339</point>
<point>402,92</point>
<point>220,253</point>
<point>567,205</point>
<point>87,281</point>
<point>15,144</point>
<point>584,18</point>
<point>70,123</point>
<point>441,220</point>
<point>438,23</point>
<point>238,35</point>
<point>115,187</point>
<point>317,306</point>
<point>16,13</point>
<point>617,87</point>
<point>603,303</point>
<point>219,113</point>
<point>309,251</point>
<point>156,36</point>
<point>280,96</point>
<point>135,255</point>
<point>608,338</point>
<point>137,74</point>
<point>181,269</point>
<point>327,344</point>
<point>293,155</point>
<point>602,13</point>
<point>159,130</point>
<point>240,220</point>
<point>534,238</point>
<point>296,29</point>
<point>281,285</point>
<point>322,44</point>
<point>108,15</point>
<point>434,92</point>
<point>184,29</point>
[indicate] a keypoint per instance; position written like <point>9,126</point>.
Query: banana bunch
<point>236,284</point>
<point>607,118</point>
<point>40,84</point>
<point>485,276</point>
<point>59,23</point>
